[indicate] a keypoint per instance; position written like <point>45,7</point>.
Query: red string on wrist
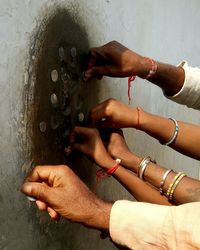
<point>152,71</point>
<point>101,173</point>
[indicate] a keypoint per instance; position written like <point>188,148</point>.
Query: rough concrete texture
<point>165,30</point>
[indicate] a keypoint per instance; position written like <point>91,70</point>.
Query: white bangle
<point>163,180</point>
<point>175,133</point>
<point>143,164</point>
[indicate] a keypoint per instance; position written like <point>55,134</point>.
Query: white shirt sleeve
<point>190,92</point>
<point>144,226</point>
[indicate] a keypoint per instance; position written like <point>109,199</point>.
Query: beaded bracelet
<point>163,180</point>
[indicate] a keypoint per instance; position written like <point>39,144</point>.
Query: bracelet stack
<point>143,165</point>
<point>173,185</point>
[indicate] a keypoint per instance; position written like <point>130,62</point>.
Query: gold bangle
<point>175,185</point>
<point>172,183</point>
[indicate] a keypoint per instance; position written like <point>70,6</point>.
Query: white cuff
<point>190,92</point>
<point>137,225</point>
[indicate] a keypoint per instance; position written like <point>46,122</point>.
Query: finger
<point>53,214</point>
<point>84,131</point>
<point>39,173</point>
<point>79,147</point>
<point>39,191</point>
<point>97,114</point>
<point>41,205</point>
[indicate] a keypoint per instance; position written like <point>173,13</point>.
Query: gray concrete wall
<point>165,30</point>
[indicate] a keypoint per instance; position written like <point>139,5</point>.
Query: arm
<point>115,60</point>
<point>59,191</point>
<point>128,222</point>
<point>180,83</point>
<point>93,147</point>
<point>188,190</point>
<point>158,227</point>
<point>119,115</point>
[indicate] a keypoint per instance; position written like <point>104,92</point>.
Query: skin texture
<point>116,114</point>
<point>57,188</point>
<point>188,189</point>
<point>115,60</point>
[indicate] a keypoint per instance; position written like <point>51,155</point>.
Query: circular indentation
<point>43,126</point>
<point>54,75</point>
<point>61,53</point>
<point>81,117</point>
<point>67,111</point>
<point>54,122</point>
<point>54,99</point>
<point>73,52</point>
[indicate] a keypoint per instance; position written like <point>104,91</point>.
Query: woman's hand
<point>113,114</point>
<point>88,141</point>
<point>118,148</point>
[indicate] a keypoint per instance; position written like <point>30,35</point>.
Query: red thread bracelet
<point>151,72</point>
<point>101,173</point>
<point>138,118</point>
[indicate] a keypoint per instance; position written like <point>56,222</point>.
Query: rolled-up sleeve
<point>143,226</point>
<point>190,92</point>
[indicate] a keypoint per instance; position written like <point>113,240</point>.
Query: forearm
<point>188,190</point>
<point>169,78</point>
<point>140,190</point>
<point>162,129</point>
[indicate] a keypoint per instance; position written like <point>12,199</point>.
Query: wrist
<point>108,163</point>
<point>100,215</point>
<point>131,162</point>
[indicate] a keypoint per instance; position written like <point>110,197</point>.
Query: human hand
<point>58,188</point>
<point>88,141</point>
<point>113,59</point>
<point>118,148</point>
<point>113,114</point>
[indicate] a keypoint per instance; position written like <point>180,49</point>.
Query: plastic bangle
<point>175,133</point>
<point>163,180</point>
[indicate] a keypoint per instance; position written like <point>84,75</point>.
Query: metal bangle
<point>163,180</point>
<point>143,164</point>
<point>175,133</point>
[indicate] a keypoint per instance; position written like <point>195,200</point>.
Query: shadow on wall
<point>56,93</point>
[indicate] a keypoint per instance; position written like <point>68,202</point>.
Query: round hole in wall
<point>42,126</point>
<point>54,75</point>
<point>54,99</point>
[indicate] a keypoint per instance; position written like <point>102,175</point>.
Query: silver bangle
<point>143,164</point>
<point>163,180</point>
<point>175,133</point>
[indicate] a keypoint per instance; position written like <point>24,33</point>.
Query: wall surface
<point>165,30</point>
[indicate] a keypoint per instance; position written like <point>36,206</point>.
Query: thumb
<point>37,190</point>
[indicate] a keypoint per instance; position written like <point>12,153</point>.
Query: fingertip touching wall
<point>43,45</point>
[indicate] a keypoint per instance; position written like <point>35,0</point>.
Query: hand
<point>58,188</point>
<point>88,141</point>
<point>118,148</point>
<point>113,59</point>
<point>113,114</point>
